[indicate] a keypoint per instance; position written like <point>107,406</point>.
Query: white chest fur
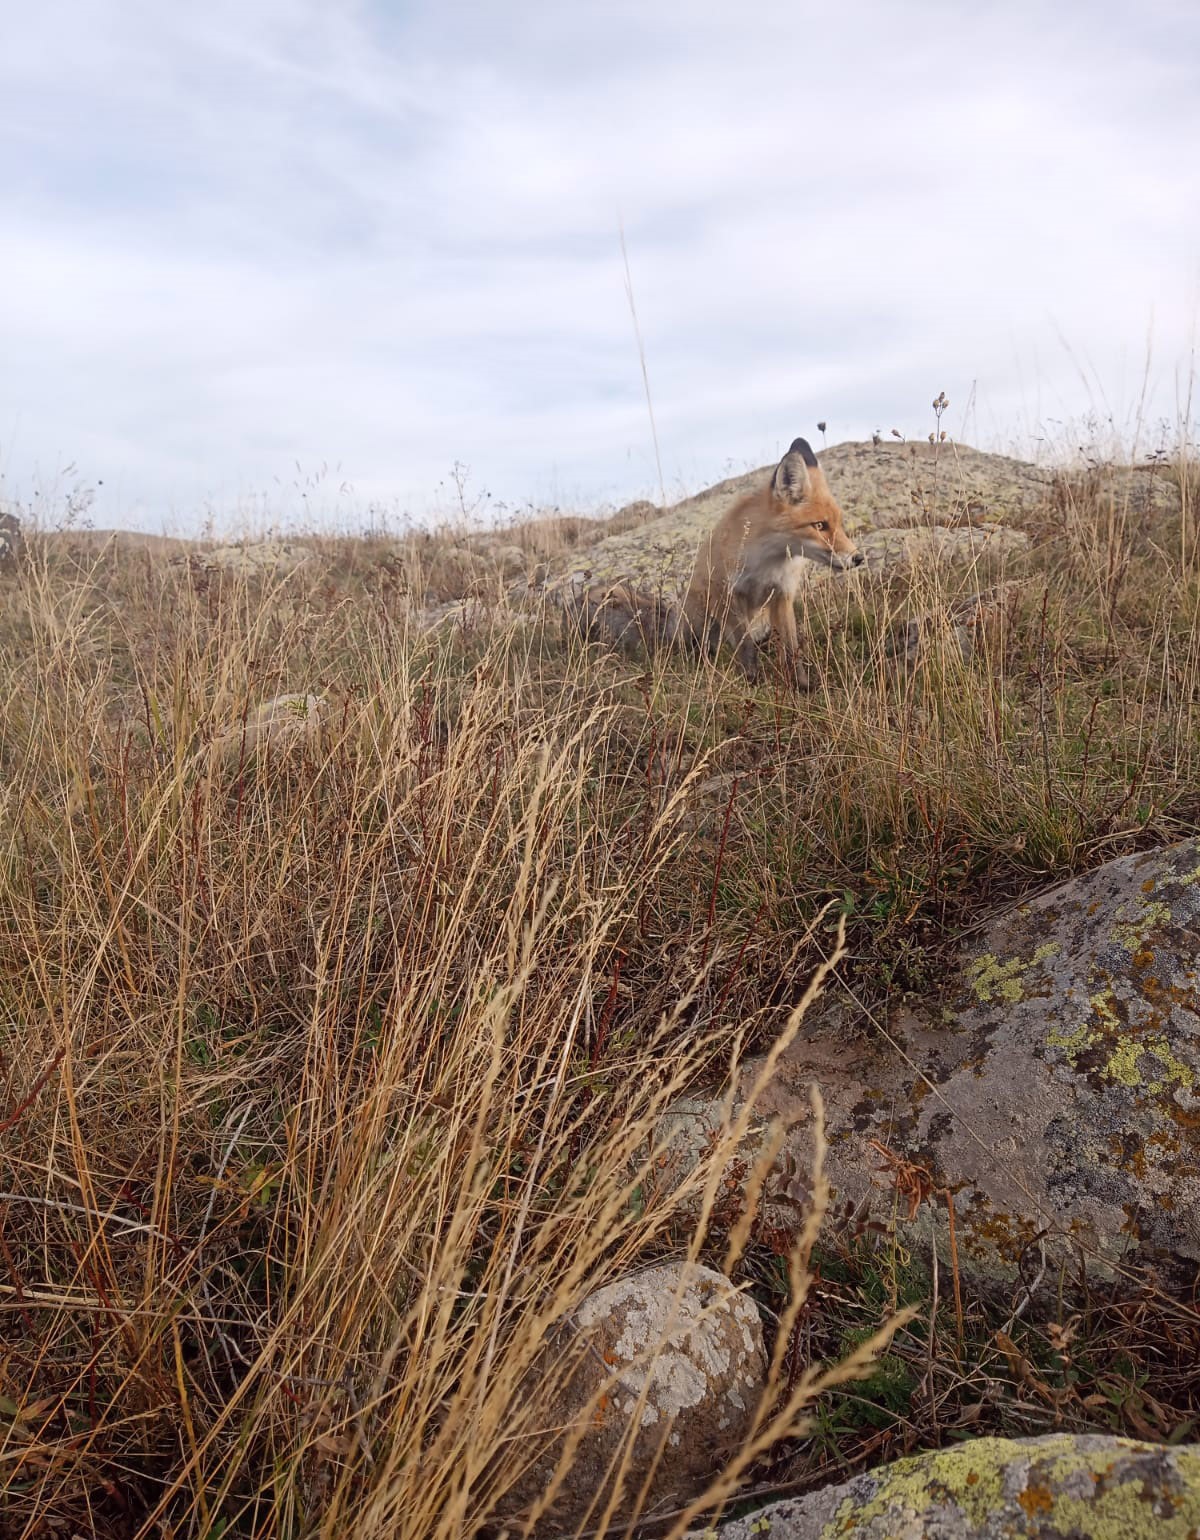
<point>788,576</point>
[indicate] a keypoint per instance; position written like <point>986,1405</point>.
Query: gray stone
<point>675,1347</point>
<point>272,726</point>
<point>11,539</point>
<point>509,559</point>
<point>1060,1487</point>
<point>1053,1091</point>
<point>924,545</point>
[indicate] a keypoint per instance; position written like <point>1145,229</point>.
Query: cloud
<point>385,238</point>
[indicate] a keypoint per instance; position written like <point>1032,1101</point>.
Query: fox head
<point>805,508</point>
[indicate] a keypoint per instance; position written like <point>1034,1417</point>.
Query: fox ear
<point>790,483</point>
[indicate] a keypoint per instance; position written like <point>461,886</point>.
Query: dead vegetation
<point>327,1061</point>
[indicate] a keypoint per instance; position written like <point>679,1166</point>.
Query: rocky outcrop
<point>1085,1487</point>
<point>674,1353</point>
<point>1053,1092</point>
<point>249,559</point>
<point>904,504</point>
<point>11,539</point>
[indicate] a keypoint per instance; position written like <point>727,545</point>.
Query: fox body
<point>748,569</point>
<point>746,574</point>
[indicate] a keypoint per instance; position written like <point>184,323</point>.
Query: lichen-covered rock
<point>675,1350</point>
<point>1054,1091</point>
<point>510,560</point>
<point>903,503</point>
<point>11,539</point>
<point>251,559</point>
<point>927,544</point>
<point>1060,1487</point>
<point>273,725</point>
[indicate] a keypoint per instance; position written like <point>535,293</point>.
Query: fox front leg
<point>747,656</point>
<point>783,623</point>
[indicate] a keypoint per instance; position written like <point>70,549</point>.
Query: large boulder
<point>247,559</point>
<point>904,503</point>
<point>283,722</point>
<point>674,1353</point>
<point>1053,1091</point>
<point>1061,1487</point>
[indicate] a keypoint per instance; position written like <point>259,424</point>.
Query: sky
<point>269,260</point>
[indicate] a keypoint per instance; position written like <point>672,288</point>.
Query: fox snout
<point>840,561</point>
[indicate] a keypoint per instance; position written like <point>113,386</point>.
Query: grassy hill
<point>329,1048</point>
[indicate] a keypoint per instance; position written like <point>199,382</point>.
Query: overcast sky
<point>380,238</point>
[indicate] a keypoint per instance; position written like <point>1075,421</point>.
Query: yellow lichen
<point>1072,1043</point>
<point>1123,1511</point>
<point>1178,1072</point>
<point>1104,1023</point>
<point>973,1478</point>
<point>992,979</point>
<point>1123,1065</point>
<point>1105,1006</point>
<point>1132,930</point>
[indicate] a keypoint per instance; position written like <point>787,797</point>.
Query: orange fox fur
<point>747,570</point>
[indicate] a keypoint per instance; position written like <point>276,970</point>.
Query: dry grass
<point>327,1067</point>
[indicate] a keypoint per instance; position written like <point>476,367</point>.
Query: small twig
<point>662,486</point>
<point>717,869</point>
<point>35,1091</point>
<point>1031,1288</point>
<point>359,1429</point>
<point>227,1343</point>
<point>958,1304</point>
<point>60,1205</point>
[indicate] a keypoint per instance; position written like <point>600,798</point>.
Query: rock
<point>896,483</point>
<point>510,560</point>
<point>463,556</point>
<point>921,545</point>
<point>258,558</point>
<point>959,625</point>
<point>903,503</point>
<point>269,728</point>
<point>451,612</point>
<point>916,640</point>
<point>11,539</point>
<point>1082,1486</point>
<point>1054,1091</point>
<point>675,1346</point>
<point>631,516</point>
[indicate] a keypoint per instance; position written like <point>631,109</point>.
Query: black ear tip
<point>801,447</point>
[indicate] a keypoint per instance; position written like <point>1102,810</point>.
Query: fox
<point>746,573</point>
<point>748,569</point>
